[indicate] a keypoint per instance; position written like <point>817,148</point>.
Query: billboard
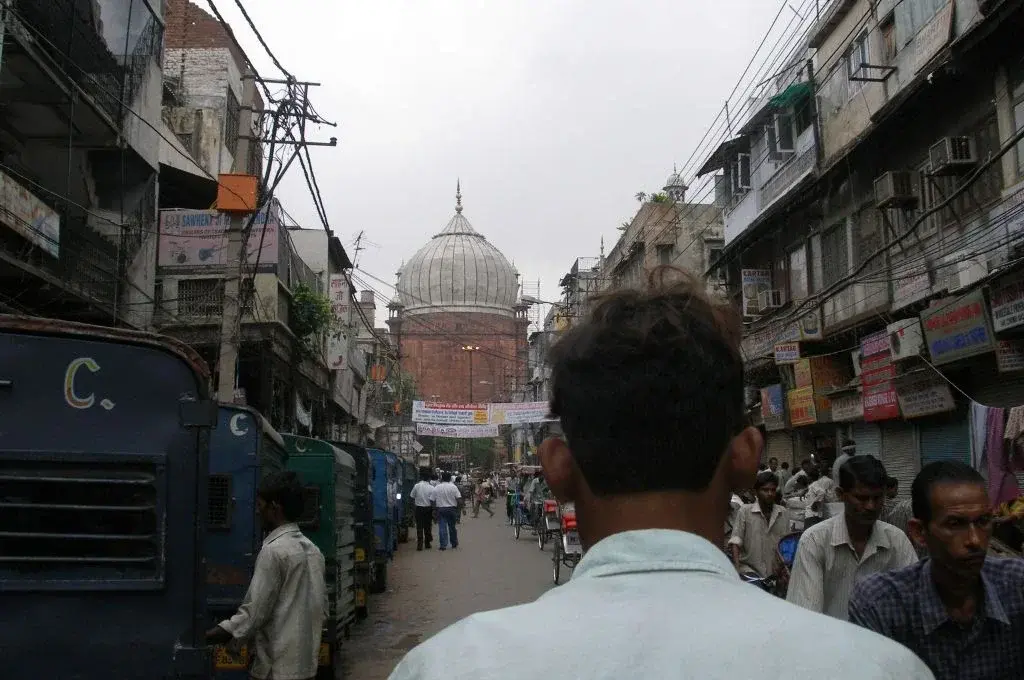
<point>198,238</point>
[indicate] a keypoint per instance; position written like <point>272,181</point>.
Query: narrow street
<point>430,590</point>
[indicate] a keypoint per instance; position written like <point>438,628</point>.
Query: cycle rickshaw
<point>567,550</point>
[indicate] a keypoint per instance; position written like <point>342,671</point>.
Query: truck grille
<point>72,521</point>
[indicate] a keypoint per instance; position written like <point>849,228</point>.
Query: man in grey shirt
<point>649,393</point>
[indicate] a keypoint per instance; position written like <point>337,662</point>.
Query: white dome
<point>458,271</point>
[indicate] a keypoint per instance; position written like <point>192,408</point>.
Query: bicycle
<point>518,515</point>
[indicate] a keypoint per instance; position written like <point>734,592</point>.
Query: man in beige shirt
<point>834,554</point>
<point>286,605</point>
<point>759,527</point>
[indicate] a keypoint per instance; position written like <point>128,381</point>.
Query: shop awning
<point>725,151</point>
<point>791,96</point>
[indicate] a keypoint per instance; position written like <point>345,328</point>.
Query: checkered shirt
<point>904,606</point>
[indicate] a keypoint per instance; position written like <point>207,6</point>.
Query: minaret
<point>458,196</point>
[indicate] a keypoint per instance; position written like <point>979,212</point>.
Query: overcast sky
<point>553,112</point>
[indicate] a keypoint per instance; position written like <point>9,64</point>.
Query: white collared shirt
<point>657,604</point>
<point>446,495</point>
<point>759,540</point>
<point>422,494</point>
<point>285,607</point>
<point>821,492</point>
<point>826,567</point>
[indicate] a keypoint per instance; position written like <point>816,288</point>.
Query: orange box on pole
<point>237,193</point>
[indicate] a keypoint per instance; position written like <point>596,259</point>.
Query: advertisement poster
<point>755,281</point>
<point>1007,305</point>
<point>436,413</point>
<point>1010,355</point>
<point>787,352</point>
<point>925,397</point>
<point>957,328</point>
<point>773,408</point>
<point>23,212</point>
<point>198,238</point>
<point>518,413</point>
<point>847,407</point>
<point>337,343</point>
<point>801,407</point>
<point>877,371</point>
<point>457,431</point>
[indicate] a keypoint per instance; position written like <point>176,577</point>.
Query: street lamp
<point>471,349</point>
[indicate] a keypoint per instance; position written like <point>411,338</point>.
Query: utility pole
<point>244,196</point>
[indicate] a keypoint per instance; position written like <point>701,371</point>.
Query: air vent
<point>310,518</point>
<point>218,502</point>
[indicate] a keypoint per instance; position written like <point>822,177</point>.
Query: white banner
<point>449,414</point>
<point>457,431</point>
<point>337,342</point>
<point>519,413</point>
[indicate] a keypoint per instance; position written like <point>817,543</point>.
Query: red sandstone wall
<point>431,347</point>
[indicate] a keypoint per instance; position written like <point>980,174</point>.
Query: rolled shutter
<point>900,453</point>
<point>868,438</point>
<point>945,437</point>
<point>780,445</point>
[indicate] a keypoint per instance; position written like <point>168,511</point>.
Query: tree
<point>640,197</point>
<point>659,198</point>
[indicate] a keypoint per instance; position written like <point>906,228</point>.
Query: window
<point>798,283</point>
<point>1017,95</point>
<point>868,239</point>
<point>231,119</point>
<point>856,58</point>
<point>741,173</point>
<point>835,254</point>
<point>784,132</point>
<point>912,15</point>
<point>887,30</point>
<point>664,254</point>
<point>714,255</point>
<point>200,297</point>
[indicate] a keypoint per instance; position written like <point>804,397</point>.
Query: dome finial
<point>458,196</point>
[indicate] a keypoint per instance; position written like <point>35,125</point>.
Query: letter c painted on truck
<point>73,400</point>
<point>237,421</point>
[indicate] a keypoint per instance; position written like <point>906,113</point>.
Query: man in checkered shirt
<point>961,611</point>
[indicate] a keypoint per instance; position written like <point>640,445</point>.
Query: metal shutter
<point>780,445</point>
<point>868,438</point>
<point>900,454</point>
<point>945,437</point>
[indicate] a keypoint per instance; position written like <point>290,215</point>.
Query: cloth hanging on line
<point>1002,485</point>
<point>979,435</point>
<point>1014,423</point>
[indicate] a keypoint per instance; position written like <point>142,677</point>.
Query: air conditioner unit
<point>895,190</point>
<point>952,155</point>
<point>905,339</point>
<point>769,299</point>
<point>959,271</point>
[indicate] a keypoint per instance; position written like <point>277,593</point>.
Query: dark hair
<point>762,467</point>
<point>939,472</point>
<point>892,483</point>
<point>425,475</point>
<point>649,387</point>
<point>805,462</point>
<point>773,458</point>
<point>785,465</point>
<point>446,476</point>
<point>767,477</point>
<point>865,470</point>
<point>285,489</point>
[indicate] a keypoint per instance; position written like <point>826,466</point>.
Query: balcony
<point>786,177</point>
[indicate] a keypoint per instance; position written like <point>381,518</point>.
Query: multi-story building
<point>80,93</point>
<point>880,290</point>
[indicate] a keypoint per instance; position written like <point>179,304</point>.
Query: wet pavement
<point>430,590</point>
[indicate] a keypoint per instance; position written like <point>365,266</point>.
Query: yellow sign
<point>360,555</point>
<point>325,654</point>
<point>225,660</point>
<point>360,597</point>
<point>801,407</point>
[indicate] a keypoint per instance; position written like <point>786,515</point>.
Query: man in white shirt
<point>649,392</point>
<point>759,527</point>
<point>422,495</point>
<point>284,610</point>
<point>446,497</point>
<point>791,484</point>
<point>819,494</point>
<point>833,555</point>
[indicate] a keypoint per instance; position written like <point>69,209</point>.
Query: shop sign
<point>957,328</point>
<point>787,353</point>
<point>1010,355</point>
<point>1007,305</point>
<point>910,289</point>
<point>773,409</point>
<point>28,216</point>
<point>802,374</point>
<point>755,281</point>
<point>449,414</point>
<point>847,407</point>
<point>925,397</point>
<point>802,407</point>
<point>877,372</point>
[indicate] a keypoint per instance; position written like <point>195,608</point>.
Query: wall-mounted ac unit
<point>905,339</point>
<point>952,156</point>
<point>895,190</point>
<point>769,299</point>
<point>959,271</point>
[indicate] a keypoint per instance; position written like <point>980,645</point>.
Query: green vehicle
<point>328,474</point>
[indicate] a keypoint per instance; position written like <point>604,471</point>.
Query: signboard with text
<point>198,238</point>
<point>877,371</point>
<point>802,407</point>
<point>924,397</point>
<point>787,352</point>
<point>337,342</point>
<point>847,407</point>
<point>1007,305</point>
<point>1010,355</point>
<point>773,408</point>
<point>957,328</point>
<point>518,413</point>
<point>755,282</point>
<point>449,414</point>
<point>457,431</point>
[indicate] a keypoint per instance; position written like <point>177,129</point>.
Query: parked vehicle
<point>386,482</point>
<point>362,523</point>
<point>328,475</point>
<point>103,484</point>
<point>410,475</point>
<point>243,450</point>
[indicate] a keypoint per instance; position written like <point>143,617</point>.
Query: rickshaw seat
<point>550,506</point>
<point>568,521</point>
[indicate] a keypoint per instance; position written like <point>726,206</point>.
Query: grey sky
<point>553,112</point>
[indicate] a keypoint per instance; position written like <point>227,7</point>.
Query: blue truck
<point>103,495</point>
<point>386,489</point>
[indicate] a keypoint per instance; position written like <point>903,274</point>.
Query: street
<point>430,590</point>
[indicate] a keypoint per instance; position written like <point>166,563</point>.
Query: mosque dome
<point>458,270</point>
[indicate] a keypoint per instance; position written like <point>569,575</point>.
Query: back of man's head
<point>649,388</point>
<point>285,489</point>
<point>867,471</point>
<point>446,477</point>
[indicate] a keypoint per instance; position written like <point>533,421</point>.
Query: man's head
<point>766,487</point>
<point>762,467</point>
<point>952,517</point>
<point>649,390</point>
<point>848,448</point>
<point>773,464</point>
<point>537,474</point>
<point>862,490</point>
<point>279,499</point>
<point>807,465</point>
<point>785,465</point>
<point>446,476</point>
<point>425,475</point>
<point>892,487</point>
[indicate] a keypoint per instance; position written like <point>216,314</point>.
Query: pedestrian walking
<point>758,529</point>
<point>648,390</point>
<point>283,612</point>
<point>422,495</point>
<point>836,553</point>
<point>483,497</point>
<point>446,497</point>
<point>961,611</point>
